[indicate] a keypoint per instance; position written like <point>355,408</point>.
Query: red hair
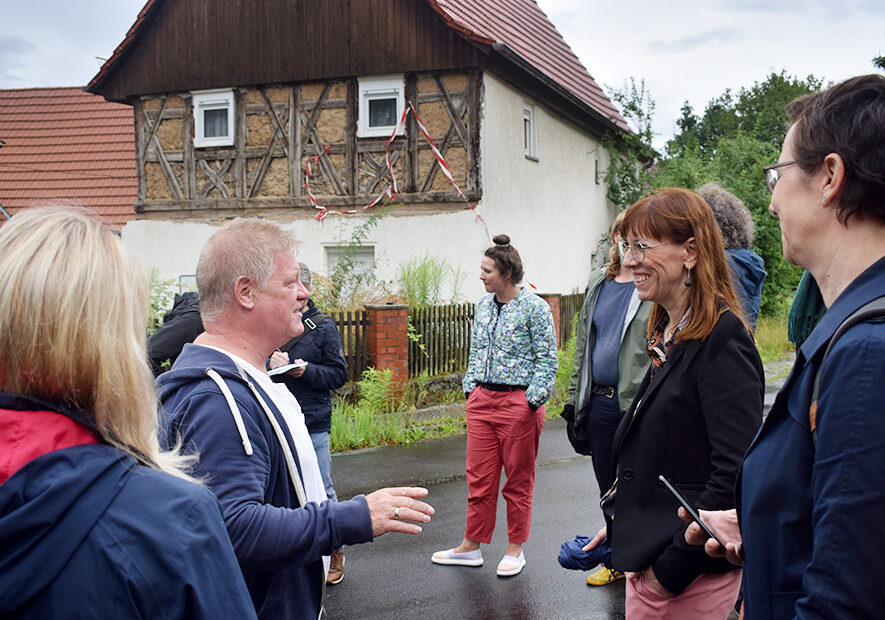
<point>676,215</point>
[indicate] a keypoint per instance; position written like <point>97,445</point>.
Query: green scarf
<point>807,308</point>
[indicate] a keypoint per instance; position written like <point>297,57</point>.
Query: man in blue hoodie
<point>255,451</point>
<point>319,367</point>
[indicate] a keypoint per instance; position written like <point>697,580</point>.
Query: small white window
<point>382,101</point>
<point>362,258</point>
<point>529,131</point>
<point>213,118</point>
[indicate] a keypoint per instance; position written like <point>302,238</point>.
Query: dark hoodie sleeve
<point>331,372</point>
<point>265,537</point>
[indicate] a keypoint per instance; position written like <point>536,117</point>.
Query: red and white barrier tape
<point>392,189</point>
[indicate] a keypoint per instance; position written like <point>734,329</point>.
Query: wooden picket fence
<point>569,309</point>
<point>439,341</point>
<point>352,328</point>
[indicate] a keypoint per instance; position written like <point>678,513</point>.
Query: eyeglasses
<point>773,175</point>
<point>637,249</point>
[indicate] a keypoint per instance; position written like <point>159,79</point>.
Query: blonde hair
<point>242,247</point>
<point>73,313</point>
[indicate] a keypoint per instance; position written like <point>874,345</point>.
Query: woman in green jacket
<point>610,363</point>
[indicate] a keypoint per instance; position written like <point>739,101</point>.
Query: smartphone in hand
<point>690,509</point>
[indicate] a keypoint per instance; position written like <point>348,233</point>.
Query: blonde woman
<point>95,521</point>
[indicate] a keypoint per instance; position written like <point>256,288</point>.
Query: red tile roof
<point>63,146</point>
<point>523,27</point>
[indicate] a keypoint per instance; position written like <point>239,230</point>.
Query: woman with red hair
<point>693,417</point>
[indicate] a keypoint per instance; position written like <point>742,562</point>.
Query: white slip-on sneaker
<point>450,558</point>
<point>510,566</point>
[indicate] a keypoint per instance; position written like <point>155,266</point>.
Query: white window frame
<point>213,100</point>
<point>530,118</point>
<point>380,87</point>
<point>364,256</point>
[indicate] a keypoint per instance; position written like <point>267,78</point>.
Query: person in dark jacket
<point>738,232</point>
<point>319,346</point>
<point>694,414</point>
<point>810,496</point>
<point>95,520</point>
<point>254,449</point>
<point>181,325</point>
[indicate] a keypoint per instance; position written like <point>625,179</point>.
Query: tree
<point>729,144</point>
<point>630,154</point>
<point>879,62</point>
<point>762,109</point>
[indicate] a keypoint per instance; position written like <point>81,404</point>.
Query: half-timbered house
<point>293,109</point>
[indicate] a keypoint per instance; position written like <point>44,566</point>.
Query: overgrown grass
<point>771,338</point>
<point>382,415</point>
<point>422,280</point>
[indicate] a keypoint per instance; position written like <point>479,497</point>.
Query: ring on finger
<point>396,513</point>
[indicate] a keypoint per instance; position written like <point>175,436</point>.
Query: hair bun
<point>501,240</point>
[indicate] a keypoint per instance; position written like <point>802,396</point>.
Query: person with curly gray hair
<point>738,232</point>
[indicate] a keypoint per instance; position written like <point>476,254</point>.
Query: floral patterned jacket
<point>517,347</point>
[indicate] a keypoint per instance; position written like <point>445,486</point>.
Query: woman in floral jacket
<point>509,378</point>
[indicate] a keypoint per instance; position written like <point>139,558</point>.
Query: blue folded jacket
<point>573,556</point>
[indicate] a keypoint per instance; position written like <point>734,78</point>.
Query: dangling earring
<point>687,277</point>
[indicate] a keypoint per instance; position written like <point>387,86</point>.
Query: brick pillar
<point>555,301</point>
<point>387,339</point>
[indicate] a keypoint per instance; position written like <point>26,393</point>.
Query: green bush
<point>563,375</point>
<point>422,280</point>
<point>162,294</point>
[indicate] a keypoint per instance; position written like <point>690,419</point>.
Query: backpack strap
<point>310,324</point>
<point>872,310</point>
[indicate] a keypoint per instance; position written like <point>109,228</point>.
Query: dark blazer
<point>692,422</point>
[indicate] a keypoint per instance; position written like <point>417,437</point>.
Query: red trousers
<point>502,430</point>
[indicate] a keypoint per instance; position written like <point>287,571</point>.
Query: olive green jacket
<point>633,361</point>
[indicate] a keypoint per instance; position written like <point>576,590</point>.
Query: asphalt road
<point>393,577</point>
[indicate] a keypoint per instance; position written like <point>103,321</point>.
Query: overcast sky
<point>685,50</point>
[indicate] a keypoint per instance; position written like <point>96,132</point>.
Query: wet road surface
<point>393,577</point>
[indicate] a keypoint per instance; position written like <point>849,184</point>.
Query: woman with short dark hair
<point>810,496</point>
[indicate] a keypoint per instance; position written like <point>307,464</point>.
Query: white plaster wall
<point>552,209</point>
<point>173,248</point>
